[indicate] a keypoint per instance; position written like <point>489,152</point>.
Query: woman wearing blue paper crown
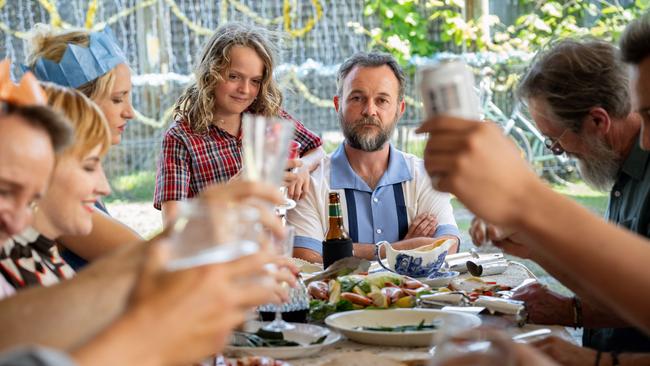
<point>93,63</point>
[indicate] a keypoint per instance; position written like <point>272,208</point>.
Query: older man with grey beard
<point>385,194</point>
<point>577,93</point>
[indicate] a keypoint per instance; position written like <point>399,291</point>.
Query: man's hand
<point>480,166</point>
<point>566,353</point>
<point>424,225</point>
<point>297,181</point>
<point>545,306</point>
<point>503,351</point>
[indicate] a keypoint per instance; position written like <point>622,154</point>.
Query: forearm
<point>107,235</point>
<point>589,251</point>
<point>64,315</point>
<point>308,255</point>
<point>312,158</point>
<point>367,250</point>
<point>169,210</point>
<point>594,313</point>
<point>123,343</point>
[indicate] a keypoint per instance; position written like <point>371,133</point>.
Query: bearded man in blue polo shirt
<point>386,194</point>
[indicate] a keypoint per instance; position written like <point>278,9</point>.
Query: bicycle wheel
<point>560,172</point>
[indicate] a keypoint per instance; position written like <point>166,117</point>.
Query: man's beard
<point>357,136</point>
<point>600,168</point>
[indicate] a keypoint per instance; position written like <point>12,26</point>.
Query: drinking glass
<point>206,233</point>
<point>458,344</point>
<point>265,148</point>
<point>284,247</point>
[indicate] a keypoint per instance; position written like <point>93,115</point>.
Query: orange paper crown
<point>27,92</point>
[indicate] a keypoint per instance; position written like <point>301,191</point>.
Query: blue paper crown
<point>79,64</point>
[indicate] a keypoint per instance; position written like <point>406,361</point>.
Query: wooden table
<point>514,275</point>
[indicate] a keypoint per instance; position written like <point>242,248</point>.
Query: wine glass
<point>206,233</point>
<point>265,148</point>
<point>284,248</point>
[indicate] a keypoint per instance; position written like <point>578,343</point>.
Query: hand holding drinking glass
<point>457,345</point>
<point>205,233</point>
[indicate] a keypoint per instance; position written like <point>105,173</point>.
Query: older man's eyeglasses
<point>554,144</point>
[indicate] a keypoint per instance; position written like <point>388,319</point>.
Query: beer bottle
<point>337,244</point>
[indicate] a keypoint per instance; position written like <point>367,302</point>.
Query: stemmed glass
<point>284,247</point>
<point>265,148</point>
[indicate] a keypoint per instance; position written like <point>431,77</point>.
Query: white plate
<point>303,334</point>
<point>348,322</point>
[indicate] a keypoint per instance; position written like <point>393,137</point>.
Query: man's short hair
<point>371,59</point>
<point>43,118</point>
<point>635,41</point>
<point>576,75</point>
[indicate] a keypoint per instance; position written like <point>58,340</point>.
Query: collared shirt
<point>629,207</point>
<point>370,215</point>
<point>30,259</point>
<point>189,161</point>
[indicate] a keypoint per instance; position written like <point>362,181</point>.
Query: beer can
<point>448,88</point>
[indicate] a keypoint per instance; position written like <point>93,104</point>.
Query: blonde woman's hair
<point>50,44</point>
<point>196,103</point>
<point>88,122</point>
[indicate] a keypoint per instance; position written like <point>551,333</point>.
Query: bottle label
<point>335,210</point>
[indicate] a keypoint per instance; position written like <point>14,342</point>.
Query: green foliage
<point>134,187</point>
<point>403,28</point>
<point>558,19</point>
<point>405,25</point>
